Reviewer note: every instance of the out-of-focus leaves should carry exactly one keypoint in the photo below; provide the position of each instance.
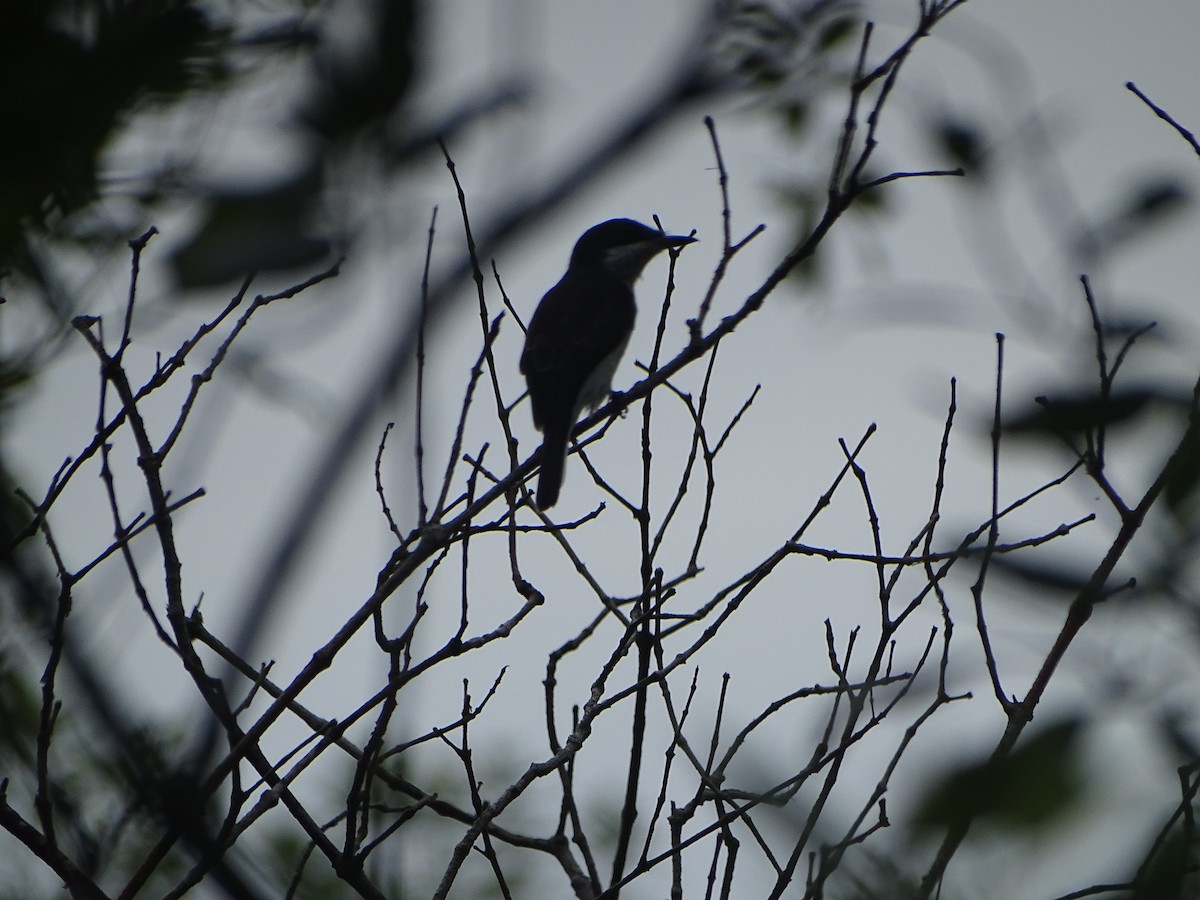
(397, 150)
(794, 116)
(963, 144)
(836, 32)
(260, 229)
(785, 54)
(1147, 205)
(1037, 783)
(1074, 414)
(364, 87)
(803, 205)
(20, 709)
(873, 201)
(12, 376)
(875, 875)
(64, 90)
(290, 859)
(1164, 876)
(1183, 475)
(1154, 199)
(1141, 326)
(1044, 577)
(1078, 414)
(1174, 734)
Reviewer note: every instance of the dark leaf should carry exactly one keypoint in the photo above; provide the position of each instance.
(835, 33)
(257, 230)
(1154, 199)
(963, 144)
(66, 92)
(362, 87)
(1146, 206)
(1047, 577)
(1037, 783)
(1183, 474)
(795, 116)
(1166, 869)
(1079, 413)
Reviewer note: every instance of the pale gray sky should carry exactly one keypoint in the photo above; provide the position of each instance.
(913, 298)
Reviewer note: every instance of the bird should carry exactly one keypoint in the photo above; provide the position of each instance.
(579, 332)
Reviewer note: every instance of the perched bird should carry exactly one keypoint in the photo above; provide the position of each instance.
(579, 332)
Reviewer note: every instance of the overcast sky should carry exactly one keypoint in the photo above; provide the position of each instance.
(908, 300)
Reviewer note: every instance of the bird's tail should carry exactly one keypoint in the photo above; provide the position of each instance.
(554, 459)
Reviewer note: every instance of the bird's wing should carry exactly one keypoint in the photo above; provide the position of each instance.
(577, 325)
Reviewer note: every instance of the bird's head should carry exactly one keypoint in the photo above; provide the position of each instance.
(622, 247)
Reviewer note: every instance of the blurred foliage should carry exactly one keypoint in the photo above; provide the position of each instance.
(71, 75)
(875, 876)
(260, 227)
(1164, 874)
(76, 78)
(76, 75)
(790, 60)
(1050, 580)
(1151, 201)
(1031, 788)
(362, 88)
(784, 54)
(1080, 418)
(1080, 414)
(962, 144)
(1182, 478)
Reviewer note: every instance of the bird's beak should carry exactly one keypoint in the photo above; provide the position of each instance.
(671, 241)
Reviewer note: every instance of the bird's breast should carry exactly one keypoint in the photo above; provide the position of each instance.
(598, 385)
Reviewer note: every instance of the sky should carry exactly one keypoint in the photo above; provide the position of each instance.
(907, 300)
